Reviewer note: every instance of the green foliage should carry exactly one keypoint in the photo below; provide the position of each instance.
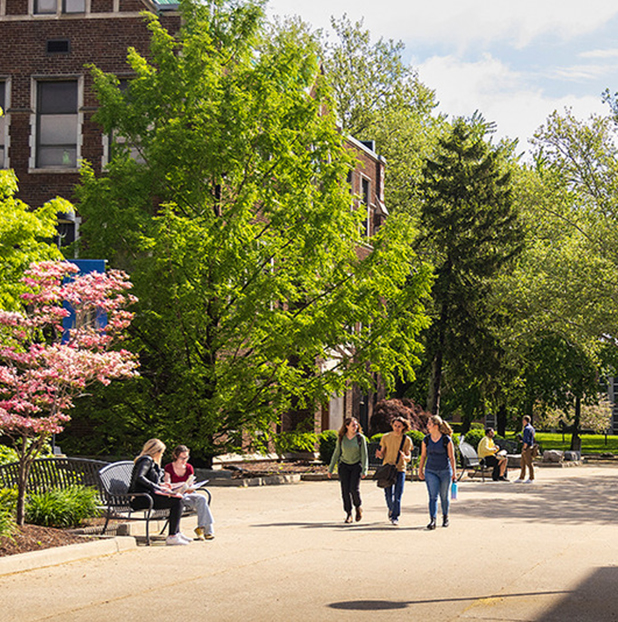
(378, 96)
(238, 234)
(7, 455)
(473, 437)
(417, 437)
(477, 425)
(289, 442)
(376, 438)
(24, 238)
(62, 508)
(472, 230)
(8, 504)
(328, 442)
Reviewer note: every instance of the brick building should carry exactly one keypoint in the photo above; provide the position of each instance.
(46, 94)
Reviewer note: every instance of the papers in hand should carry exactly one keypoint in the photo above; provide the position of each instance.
(182, 487)
(502, 452)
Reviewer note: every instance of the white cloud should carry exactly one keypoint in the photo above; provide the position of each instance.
(611, 53)
(459, 22)
(499, 93)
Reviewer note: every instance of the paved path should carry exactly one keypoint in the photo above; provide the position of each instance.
(545, 552)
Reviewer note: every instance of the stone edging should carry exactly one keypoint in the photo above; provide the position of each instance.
(23, 562)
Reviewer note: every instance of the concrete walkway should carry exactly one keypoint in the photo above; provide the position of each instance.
(544, 552)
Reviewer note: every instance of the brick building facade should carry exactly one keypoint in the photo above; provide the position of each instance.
(46, 94)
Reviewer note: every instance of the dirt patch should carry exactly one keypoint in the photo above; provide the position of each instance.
(35, 538)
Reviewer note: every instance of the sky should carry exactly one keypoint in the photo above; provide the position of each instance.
(515, 62)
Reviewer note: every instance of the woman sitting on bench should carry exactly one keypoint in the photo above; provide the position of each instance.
(181, 471)
(147, 477)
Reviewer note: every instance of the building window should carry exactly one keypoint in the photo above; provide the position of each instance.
(2, 123)
(365, 194)
(57, 125)
(52, 7)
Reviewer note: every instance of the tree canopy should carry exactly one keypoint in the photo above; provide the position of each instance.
(236, 225)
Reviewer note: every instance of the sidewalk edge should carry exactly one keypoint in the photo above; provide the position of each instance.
(12, 564)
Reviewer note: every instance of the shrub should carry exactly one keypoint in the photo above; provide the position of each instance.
(288, 442)
(8, 501)
(7, 455)
(417, 437)
(473, 437)
(328, 442)
(63, 508)
(477, 425)
(386, 410)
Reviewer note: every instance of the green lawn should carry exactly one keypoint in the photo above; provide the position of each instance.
(591, 443)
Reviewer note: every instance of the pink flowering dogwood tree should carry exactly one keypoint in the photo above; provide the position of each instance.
(44, 366)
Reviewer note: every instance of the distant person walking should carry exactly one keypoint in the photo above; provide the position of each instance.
(395, 448)
(437, 467)
(351, 461)
(527, 452)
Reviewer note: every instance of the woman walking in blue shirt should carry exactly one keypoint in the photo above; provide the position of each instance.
(437, 467)
(350, 459)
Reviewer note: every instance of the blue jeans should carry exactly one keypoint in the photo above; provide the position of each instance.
(438, 483)
(393, 495)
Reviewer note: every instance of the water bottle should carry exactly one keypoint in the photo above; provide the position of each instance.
(454, 490)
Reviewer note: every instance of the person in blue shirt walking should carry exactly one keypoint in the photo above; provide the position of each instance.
(352, 462)
(526, 452)
(437, 467)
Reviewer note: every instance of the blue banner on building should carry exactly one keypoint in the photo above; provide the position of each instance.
(100, 318)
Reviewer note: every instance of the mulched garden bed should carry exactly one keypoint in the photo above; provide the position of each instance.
(35, 538)
(275, 467)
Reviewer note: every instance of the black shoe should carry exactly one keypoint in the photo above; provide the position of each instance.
(445, 521)
(348, 518)
(359, 513)
(432, 524)
(504, 478)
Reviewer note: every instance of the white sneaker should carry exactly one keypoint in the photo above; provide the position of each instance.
(395, 522)
(176, 540)
(517, 481)
(529, 481)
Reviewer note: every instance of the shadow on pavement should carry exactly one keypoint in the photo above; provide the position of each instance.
(354, 526)
(577, 500)
(595, 599)
(377, 605)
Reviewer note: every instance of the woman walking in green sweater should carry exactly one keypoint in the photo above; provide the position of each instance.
(350, 458)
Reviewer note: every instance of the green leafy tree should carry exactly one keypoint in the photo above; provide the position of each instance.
(25, 236)
(380, 97)
(236, 227)
(472, 231)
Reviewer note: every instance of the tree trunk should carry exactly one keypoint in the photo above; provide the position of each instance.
(576, 441)
(501, 420)
(25, 462)
(435, 381)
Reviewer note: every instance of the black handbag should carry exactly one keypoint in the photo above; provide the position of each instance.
(386, 474)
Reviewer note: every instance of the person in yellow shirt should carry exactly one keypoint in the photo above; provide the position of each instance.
(488, 451)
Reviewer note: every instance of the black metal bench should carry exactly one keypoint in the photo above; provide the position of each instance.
(55, 473)
(115, 479)
(470, 461)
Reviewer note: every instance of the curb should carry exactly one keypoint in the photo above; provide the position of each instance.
(23, 562)
(268, 480)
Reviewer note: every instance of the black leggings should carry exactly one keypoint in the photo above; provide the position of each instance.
(162, 502)
(350, 476)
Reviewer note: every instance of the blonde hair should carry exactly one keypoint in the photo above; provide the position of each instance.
(443, 426)
(153, 447)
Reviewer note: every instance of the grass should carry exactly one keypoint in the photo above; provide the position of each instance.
(591, 443)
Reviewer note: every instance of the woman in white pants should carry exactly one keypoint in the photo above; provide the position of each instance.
(180, 471)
